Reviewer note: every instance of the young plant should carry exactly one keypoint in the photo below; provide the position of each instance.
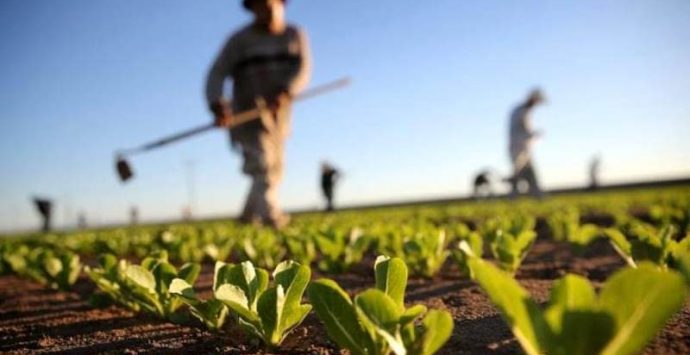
(475, 242)
(376, 321)
(341, 248)
(142, 287)
(510, 239)
(426, 251)
(302, 248)
(60, 269)
(212, 313)
(632, 306)
(263, 247)
(509, 250)
(565, 226)
(645, 243)
(268, 313)
(57, 269)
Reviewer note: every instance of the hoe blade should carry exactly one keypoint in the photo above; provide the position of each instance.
(124, 172)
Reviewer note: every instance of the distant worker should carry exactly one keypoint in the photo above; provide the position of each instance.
(329, 176)
(133, 215)
(594, 167)
(45, 208)
(81, 221)
(481, 185)
(521, 138)
(267, 60)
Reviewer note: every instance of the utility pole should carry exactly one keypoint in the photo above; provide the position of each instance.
(190, 167)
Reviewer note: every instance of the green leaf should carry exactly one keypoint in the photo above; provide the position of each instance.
(293, 278)
(235, 298)
(514, 303)
(583, 332)
(620, 244)
(380, 316)
(270, 308)
(141, 277)
(52, 265)
(335, 310)
(391, 278)
(164, 273)
(182, 288)
(640, 301)
(189, 272)
(378, 308)
(412, 313)
(107, 261)
(437, 328)
(572, 292)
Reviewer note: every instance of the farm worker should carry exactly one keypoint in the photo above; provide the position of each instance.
(594, 167)
(268, 61)
(45, 209)
(521, 138)
(329, 175)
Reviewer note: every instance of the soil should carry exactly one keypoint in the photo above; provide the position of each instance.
(34, 319)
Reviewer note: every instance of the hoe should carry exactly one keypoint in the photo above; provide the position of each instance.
(124, 170)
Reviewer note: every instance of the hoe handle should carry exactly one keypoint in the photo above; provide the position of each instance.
(239, 118)
(249, 115)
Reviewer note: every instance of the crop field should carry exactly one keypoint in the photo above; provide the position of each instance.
(581, 273)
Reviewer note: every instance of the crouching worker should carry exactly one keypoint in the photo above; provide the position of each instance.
(268, 61)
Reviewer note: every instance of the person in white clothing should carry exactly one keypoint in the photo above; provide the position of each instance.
(521, 138)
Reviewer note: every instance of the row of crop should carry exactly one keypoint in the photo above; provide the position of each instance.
(269, 306)
(335, 248)
(632, 306)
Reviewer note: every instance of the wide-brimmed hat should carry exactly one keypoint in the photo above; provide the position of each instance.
(247, 4)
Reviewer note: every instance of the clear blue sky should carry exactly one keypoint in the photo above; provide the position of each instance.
(433, 84)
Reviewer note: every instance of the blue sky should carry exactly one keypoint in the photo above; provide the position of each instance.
(433, 85)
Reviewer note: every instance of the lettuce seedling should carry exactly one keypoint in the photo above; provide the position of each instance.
(302, 248)
(263, 247)
(426, 251)
(143, 287)
(268, 313)
(509, 239)
(645, 243)
(509, 250)
(212, 313)
(341, 248)
(565, 226)
(376, 321)
(632, 306)
(476, 243)
(58, 269)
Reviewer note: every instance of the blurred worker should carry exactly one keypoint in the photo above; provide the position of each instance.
(81, 221)
(594, 167)
(269, 60)
(329, 176)
(521, 138)
(45, 208)
(133, 215)
(482, 184)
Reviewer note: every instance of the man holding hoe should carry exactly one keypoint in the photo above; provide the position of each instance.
(269, 64)
(520, 148)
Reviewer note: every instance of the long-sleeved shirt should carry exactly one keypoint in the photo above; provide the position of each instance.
(260, 64)
(521, 133)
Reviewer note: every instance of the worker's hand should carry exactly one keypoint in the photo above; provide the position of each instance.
(222, 114)
(283, 99)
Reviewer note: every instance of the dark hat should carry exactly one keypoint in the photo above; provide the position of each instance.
(246, 4)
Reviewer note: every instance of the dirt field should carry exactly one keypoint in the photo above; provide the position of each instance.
(34, 319)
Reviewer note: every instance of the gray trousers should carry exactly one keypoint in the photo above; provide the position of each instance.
(526, 173)
(262, 149)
